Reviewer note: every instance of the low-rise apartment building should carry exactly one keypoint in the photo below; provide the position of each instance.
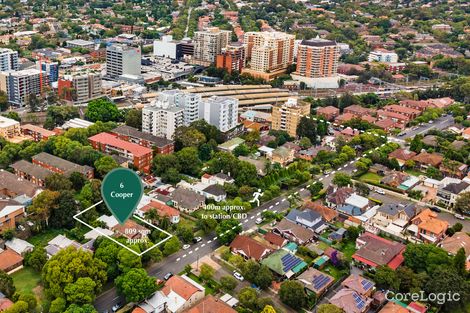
(38, 133)
(61, 166)
(141, 157)
(161, 145)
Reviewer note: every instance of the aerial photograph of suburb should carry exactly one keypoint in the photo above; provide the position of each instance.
(234, 156)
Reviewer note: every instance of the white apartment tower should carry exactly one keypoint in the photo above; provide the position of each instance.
(161, 118)
(221, 112)
(209, 43)
(8, 60)
(122, 60)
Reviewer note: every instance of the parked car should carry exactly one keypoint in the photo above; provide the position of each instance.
(436, 209)
(379, 191)
(197, 239)
(258, 221)
(168, 276)
(186, 246)
(459, 216)
(238, 276)
(116, 307)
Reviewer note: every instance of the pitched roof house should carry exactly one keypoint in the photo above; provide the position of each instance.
(249, 248)
(327, 214)
(187, 200)
(430, 227)
(401, 155)
(453, 244)
(361, 285)
(374, 251)
(275, 239)
(315, 281)
(293, 231)
(424, 160)
(210, 304)
(307, 218)
(182, 292)
(351, 301)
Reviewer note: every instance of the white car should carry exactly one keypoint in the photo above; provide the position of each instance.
(238, 276)
(459, 216)
(380, 191)
(258, 221)
(186, 246)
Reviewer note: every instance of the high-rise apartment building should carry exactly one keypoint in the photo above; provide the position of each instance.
(209, 43)
(8, 60)
(232, 58)
(175, 108)
(50, 68)
(20, 85)
(268, 53)
(221, 112)
(287, 116)
(80, 87)
(122, 60)
(161, 118)
(317, 62)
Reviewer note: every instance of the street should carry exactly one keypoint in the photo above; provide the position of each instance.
(439, 124)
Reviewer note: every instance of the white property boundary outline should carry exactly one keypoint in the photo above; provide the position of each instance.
(114, 240)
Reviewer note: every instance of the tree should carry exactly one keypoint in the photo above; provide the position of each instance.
(62, 213)
(189, 162)
(462, 204)
(434, 173)
(207, 272)
(425, 258)
(81, 292)
(6, 284)
(87, 308)
(315, 188)
(3, 101)
(460, 262)
(18, 307)
(102, 110)
(36, 258)
(248, 298)
(186, 136)
(136, 285)
(362, 189)
(250, 270)
(342, 180)
(134, 118)
(447, 280)
(107, 251)
(128, 260)
(292, 293)
(105, 164)
(33, 102)
(58, 305)
(228, 283)
(264, 277)
(78, 180)
(67, 266)
(171, 246)
(305, 143)
(386, 278)
(329, 308)
(42, 206)
(307, 128)
(268, 309)
(225, 232)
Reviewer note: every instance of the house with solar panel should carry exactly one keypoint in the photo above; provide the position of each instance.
(315, 281)
(360, 284)
(284, 263)
(351, 301)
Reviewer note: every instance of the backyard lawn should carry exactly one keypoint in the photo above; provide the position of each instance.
(44, 237)
(414, 172)
(370, 177)
(347, 248)
(27, 280)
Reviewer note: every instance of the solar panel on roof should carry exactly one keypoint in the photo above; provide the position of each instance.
(289, 261)
(366, 284)
(359, 302)
(320, 281)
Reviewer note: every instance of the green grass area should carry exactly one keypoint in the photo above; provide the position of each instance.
(347, 248)
(27, 280)
(322, 245)
(370, 177)
(210, 290)
(414, 172)
(44, 237)
(333, 271)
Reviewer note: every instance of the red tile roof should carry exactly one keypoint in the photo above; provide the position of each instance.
(275, 239)
(9, 258)
(210, 304)
(379, 251)
(5, 303)
(249, 246)
(162, 209)
(108, 139)
(180, 286)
